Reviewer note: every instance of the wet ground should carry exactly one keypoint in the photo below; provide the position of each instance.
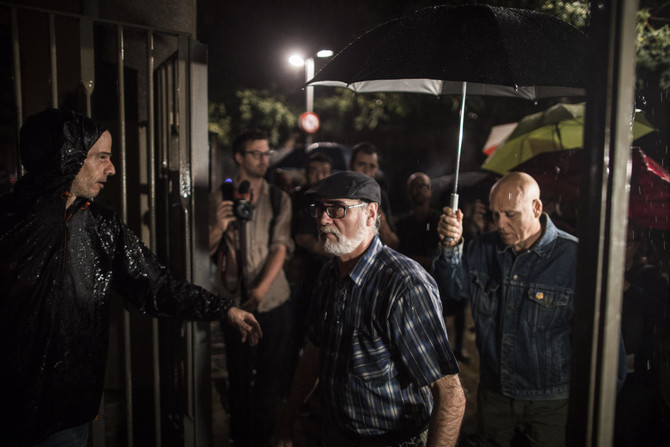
(469, 377)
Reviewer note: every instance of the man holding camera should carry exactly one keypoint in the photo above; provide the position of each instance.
(250, 235)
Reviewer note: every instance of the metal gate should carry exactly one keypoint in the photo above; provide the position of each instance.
(148, 86)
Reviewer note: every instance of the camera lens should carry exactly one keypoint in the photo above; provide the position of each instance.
(243, 210)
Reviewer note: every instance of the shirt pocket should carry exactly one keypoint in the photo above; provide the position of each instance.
(370, 357)
(550, 306)
(484, 297)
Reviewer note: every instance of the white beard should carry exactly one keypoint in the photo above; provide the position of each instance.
(342, 245)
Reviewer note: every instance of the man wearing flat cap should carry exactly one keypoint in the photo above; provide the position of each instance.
(376, 340)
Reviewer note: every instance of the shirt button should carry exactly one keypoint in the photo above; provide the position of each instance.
(515, 277)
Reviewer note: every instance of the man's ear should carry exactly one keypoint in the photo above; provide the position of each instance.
(372, 210)
(537, 207)
(238, 158)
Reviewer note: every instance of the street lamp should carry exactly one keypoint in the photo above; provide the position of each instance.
(298, 61)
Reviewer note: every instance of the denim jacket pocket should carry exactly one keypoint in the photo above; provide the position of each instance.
(552, 306)
(484, 297)
(371, 359)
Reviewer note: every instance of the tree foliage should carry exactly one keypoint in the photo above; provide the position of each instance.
(220, 123)
(252, 109)
(653, 51)
(652, 43)
(576, 13)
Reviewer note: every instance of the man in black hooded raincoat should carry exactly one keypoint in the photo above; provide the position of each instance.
(61, 255)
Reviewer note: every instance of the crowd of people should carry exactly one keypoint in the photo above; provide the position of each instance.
(331, 307)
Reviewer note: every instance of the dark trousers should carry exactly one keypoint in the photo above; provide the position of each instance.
(254, 378)
(502, 419)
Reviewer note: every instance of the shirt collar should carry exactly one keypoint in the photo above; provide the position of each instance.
(364, 265)
(543, 245)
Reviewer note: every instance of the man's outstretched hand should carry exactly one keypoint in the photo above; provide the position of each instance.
(247, 325)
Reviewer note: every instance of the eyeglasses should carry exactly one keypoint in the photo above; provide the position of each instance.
(258, 154)
(333, 211)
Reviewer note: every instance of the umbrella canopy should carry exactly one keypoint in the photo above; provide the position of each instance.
(476, 49)
(497, 51)
(497, 136)
(559, 177)
(557, 128)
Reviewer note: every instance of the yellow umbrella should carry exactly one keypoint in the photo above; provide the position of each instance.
(560, 127)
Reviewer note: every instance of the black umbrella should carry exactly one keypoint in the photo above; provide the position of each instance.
(476, 49)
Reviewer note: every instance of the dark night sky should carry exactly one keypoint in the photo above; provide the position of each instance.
(249, 41)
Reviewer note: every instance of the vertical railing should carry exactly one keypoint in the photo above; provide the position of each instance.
(151, 148)
(185, 196)
(53, 61)
(199, 168)
(18, 97)
(173, 108)
(87, 60)
(127, 335)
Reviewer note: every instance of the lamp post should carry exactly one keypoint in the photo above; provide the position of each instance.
(298, 61)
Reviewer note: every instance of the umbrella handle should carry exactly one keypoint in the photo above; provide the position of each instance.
(453, 201)
(453, 204)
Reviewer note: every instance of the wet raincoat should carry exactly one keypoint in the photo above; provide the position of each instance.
(57, 271)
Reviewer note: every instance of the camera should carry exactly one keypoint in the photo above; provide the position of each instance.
(242, 207)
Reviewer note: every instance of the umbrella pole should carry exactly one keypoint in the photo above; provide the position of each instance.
(453, 199)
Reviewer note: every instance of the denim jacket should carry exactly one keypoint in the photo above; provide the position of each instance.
(522, 305)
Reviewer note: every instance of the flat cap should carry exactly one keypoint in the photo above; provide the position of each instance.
(346, 185)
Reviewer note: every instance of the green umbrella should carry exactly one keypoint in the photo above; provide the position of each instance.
(558, 128)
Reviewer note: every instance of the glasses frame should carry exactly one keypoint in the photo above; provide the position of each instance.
(316, 210)
(257, 155)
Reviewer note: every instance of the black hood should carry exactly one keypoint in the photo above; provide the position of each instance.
(54, 145)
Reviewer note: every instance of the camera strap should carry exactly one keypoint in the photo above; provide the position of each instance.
(238, 230)
(241, 255)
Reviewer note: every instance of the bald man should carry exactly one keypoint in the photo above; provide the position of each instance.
(521, 279)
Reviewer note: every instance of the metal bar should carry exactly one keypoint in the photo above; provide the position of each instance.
(164, 147)
(182, 120)
(122, 120)
(53, 59)
(16, 62)
(197, 91)
(87, 61)
(183, 116)
(126, 25)
(309, 94)
(121, 96)
(602, 228)
(151, 149)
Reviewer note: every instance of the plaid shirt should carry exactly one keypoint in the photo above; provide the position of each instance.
(383, 341)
